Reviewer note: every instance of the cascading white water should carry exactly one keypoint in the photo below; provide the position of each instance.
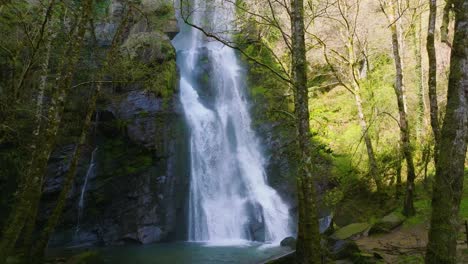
(89, 173)
(229, 194)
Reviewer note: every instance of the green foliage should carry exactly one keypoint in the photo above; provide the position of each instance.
(333, 197)
(410, 259)
(148, 60)
(115, 163)
(350, 230)
(101, 8)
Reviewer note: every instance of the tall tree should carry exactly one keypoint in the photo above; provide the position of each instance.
(448, 186)
(308, 237)
(391, 13)
(432, 76)
(37, 253)
(29, 194)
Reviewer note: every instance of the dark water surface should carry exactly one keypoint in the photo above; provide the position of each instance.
(183, 253)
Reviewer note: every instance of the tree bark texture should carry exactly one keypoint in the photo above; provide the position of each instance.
(448, 186)
(308, 249)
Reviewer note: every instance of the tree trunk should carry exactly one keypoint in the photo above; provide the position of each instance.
(41, 245)
(432, 76)
(444, 28)
(416, 39)
(448, 187)
(308, 249)
(398, 186)
(354, 74)
(31, 220)
(27, 199)
(408, 207)
(373, 167)
(38, 251)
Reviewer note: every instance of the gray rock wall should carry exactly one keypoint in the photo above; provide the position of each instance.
(138, 193)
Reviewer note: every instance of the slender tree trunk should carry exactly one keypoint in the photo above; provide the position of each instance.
(48, 13)
(416, 39)
(432, 76)
(354, 73)
(41, 245)
(31, 220)
(448, 187)
(444, 28)
(399, 184)
(373, 167)
(308, 249)
(408, 207)
(38, 251)
(27, 200)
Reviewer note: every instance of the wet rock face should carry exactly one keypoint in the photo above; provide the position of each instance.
(138, 109)
(138, 193)
(139, 189)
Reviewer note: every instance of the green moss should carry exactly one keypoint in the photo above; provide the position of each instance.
(101, 7)
(423, 212)
(412, 259)
(143, 114)
(121, 158)
(350, 230)
(148, 59)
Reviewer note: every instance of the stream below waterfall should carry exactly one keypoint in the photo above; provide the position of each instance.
(183, 253)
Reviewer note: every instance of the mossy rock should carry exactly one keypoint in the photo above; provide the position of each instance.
(387, 223)
(289, 242)
(351, 231)
(159, 7)
(149, 47)
(342, 249)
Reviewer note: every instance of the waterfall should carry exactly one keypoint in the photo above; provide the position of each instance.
(230, 200)
(89, 173)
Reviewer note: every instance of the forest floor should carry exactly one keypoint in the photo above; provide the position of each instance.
(406, 243)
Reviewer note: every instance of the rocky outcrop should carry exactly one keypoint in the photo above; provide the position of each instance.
(138, 192)
(387, 223)
(289, 242)
(352, 231)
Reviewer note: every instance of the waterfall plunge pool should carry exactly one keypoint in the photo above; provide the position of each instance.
(180, 253)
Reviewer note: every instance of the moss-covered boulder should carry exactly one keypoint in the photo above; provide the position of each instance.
(351, 231)
(289, 242)
(342, 249)
(149, 47)
(387, 223)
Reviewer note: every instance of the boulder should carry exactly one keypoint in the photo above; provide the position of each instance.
(104, 32)
(351, 231)
(289, 242)
(138, 110)
(149, 234)
(149, 47)
(387, 223)
(342, 249)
